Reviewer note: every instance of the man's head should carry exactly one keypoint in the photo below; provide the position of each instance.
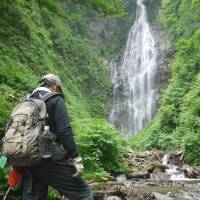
(52, 82)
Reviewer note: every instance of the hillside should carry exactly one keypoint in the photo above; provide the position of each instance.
(176, 125)
(38, 37)
(36, 41)
(41, 37)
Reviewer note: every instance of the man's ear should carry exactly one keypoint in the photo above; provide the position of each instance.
(57, 88)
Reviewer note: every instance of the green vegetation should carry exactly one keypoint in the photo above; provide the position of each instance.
(153, 7)
(47, 44)
(176, 124)
(108, 35)
(101, 146)
(104, 7)
(38, 37)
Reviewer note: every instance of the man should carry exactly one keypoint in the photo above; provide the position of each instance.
(63, 171)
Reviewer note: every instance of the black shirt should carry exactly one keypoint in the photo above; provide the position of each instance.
(59, 123)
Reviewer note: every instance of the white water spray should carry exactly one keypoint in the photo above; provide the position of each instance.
(135, 88)
(173, 172)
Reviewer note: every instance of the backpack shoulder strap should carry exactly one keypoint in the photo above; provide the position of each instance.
(49, 95)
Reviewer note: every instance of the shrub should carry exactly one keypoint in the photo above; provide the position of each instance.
(101, 147)
(191, 146)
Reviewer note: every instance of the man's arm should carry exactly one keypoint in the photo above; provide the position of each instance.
(63, 128)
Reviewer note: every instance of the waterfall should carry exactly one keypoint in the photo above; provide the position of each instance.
(135, 77)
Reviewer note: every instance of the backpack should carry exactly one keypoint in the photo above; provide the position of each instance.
(24, 141)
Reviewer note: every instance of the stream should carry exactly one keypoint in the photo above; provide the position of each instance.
(153, 176)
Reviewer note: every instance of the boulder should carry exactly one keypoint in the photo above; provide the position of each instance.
(176, 158)
(154, 167)
(138, 175)
(111, 178)
(159, 167)
(190, 172)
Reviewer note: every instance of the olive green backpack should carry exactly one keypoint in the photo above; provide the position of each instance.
(22, 141)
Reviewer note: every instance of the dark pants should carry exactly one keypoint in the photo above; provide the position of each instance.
(57, 174)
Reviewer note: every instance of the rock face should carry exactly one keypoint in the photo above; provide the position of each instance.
(165, 53)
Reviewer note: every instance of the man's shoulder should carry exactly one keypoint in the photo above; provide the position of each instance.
(46, 96)
(55, 97)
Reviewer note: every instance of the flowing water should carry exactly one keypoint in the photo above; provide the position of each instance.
(173, 172)
(135, 78)
(155, 176)
(169, 185)
(181, 187)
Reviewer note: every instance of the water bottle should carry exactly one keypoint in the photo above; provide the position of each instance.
(3, 161)
(46, 143)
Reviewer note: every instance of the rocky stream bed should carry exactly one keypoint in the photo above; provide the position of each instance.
(152, 175)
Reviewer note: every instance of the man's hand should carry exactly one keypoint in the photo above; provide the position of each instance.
(78, 166)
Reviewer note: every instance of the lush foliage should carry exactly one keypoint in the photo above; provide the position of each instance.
(101, 146)
(42, 36)
(104, 7)
(35, 41)
(177, 123)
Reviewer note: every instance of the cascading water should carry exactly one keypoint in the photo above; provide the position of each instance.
(172, 171)
(135, 88)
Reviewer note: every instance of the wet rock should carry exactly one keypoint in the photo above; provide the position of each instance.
(176, 158)
(110, 191)
(160, 167)
(149, 179)
(141, 197)
(138, 175)
(156, 167)
(121, 178)
(142, 164)
(190, 172)
(150, 168)
(197, 168)
(112, 198)
(111, 178)
(129, 153)
(159, 176)
(163, 196)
